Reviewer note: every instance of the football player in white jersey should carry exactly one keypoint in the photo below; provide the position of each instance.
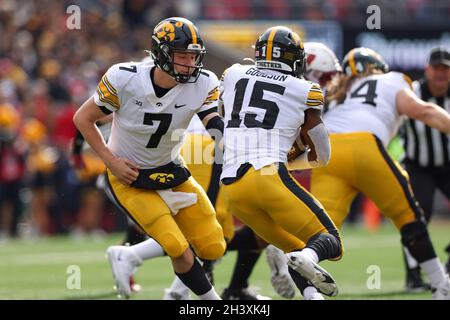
(366, 110)
(198, 153)
(152, 104)
(266, 107)
(321, 67)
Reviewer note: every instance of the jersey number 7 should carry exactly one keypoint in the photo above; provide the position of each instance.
(164, 124)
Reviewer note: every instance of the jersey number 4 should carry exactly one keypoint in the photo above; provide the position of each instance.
(370, 95)
(256, 101)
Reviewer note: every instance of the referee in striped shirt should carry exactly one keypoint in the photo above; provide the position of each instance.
(427, 158)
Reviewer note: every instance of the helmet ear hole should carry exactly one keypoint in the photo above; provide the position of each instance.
(299, 68)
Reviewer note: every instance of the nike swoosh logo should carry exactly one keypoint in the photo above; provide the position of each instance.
(179, 106)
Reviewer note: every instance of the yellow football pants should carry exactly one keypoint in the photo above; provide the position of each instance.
(277, 207)
(360, 163)
(195, 225)
(198, 152)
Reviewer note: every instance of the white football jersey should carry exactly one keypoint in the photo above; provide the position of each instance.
(370, 106)
(263, 112)
(196, 127)
(147, 129)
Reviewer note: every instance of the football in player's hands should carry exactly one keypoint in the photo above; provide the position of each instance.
(298, 148)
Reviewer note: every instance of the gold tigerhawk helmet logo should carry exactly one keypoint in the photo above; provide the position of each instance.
(166, 31)
(162, 177)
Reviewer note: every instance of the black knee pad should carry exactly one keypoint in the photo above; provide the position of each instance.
(327, 246)
(414, 231)
(416, 238)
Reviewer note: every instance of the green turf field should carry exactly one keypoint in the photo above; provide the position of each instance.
(38, 269)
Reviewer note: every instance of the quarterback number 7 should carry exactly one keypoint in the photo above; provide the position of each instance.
(164, 123)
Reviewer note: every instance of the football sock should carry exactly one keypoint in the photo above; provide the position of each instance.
(434, 270)
(311, 254)
(195, 279)
(148, 249)
(245, 262)
(210, 295)
(178, 286)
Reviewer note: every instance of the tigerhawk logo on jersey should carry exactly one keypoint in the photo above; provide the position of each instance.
(162, 177)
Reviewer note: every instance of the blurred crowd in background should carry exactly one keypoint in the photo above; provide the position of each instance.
(47, 71)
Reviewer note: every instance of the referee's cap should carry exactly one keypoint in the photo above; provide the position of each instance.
(439, 56)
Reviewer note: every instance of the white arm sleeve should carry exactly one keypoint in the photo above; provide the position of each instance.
(321, 141)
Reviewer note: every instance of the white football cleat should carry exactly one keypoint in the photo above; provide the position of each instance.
(311, 271)
(280, 279)
(310, 293)
(177, 295)
(315, 296)
(442, 292)
(124, 263)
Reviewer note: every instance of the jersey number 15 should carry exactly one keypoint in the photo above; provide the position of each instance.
(256, 101)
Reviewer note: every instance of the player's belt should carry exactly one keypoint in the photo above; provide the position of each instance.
(164, 177)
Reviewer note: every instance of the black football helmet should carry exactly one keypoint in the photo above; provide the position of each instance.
(358, 60)
(281, 49)
(177, 35)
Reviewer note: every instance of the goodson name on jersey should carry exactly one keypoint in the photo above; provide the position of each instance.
(257, 73)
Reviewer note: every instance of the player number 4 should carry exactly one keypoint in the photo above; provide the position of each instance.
(370, 95)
